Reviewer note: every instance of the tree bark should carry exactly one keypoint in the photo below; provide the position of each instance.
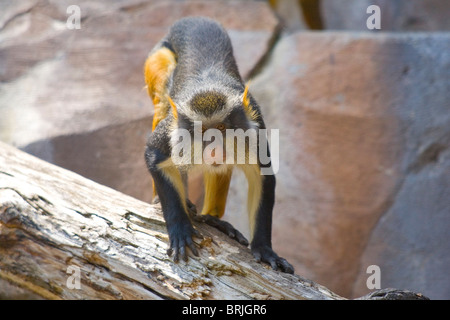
(63, 236)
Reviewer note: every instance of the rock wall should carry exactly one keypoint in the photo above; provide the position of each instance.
(364, 120)
(364, 131)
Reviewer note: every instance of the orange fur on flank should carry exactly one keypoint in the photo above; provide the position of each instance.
(158, 68)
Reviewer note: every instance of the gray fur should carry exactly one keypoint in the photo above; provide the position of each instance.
(205, 61)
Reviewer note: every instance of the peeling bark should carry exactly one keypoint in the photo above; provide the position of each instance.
(53, 221)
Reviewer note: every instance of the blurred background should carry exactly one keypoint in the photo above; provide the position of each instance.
(363, 114)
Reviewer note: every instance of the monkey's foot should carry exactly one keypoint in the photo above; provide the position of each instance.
(266, 254)
(223, 226)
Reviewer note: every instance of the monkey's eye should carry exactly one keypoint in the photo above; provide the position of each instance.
(220, 126)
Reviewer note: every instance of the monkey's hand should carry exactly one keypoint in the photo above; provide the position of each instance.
(266, 254)
(180, 237)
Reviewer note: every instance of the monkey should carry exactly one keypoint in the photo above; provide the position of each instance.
(194, 83)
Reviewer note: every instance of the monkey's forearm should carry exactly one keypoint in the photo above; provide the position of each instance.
(263, 220)
(261, 244)
(169, 186)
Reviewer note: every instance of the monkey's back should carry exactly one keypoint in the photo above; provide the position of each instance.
(204, 53)
(196, 56)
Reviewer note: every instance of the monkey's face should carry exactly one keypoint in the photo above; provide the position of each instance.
(215, 138)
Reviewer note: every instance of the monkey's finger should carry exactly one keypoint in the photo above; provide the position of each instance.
(273, 263)
(236, 235)
(176, 255)
(183, 251)
(197, 234)
(257, 256)
(191, 246)
(285, 266)
(231, 233)
(199, 218)
(240, 238)
(175, 249)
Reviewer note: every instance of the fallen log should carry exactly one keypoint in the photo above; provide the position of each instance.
(63, 236)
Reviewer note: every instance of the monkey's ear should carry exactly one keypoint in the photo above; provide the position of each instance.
(245, 99)
(174, 107)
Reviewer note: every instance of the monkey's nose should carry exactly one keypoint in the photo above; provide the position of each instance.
(215, 158)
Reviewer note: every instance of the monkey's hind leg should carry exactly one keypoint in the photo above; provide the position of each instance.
(216, 192)
(191, 208)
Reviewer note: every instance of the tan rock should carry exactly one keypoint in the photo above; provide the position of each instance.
(343, 103)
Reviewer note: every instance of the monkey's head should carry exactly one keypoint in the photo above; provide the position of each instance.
(205, 120)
